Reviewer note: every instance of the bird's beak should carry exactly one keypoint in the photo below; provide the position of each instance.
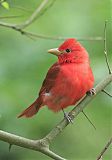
(54, 51)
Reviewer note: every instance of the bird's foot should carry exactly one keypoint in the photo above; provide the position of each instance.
(91, 92)
(67, 117)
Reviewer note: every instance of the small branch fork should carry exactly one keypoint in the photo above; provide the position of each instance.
(40, 10)
(35, 15)
(42, 145)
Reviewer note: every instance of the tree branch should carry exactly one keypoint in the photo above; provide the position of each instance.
(33, 17)
(36, 145)
(34, 35)
(30, 20)
(20, 27)
(42, 145)
(77, 109)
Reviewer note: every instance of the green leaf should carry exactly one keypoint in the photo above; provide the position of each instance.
(5, 5)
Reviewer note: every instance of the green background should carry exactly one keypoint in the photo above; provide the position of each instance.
(24, 63)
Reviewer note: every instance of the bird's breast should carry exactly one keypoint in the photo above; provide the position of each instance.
(72, 82)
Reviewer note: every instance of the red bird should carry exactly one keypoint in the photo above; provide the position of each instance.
(67, 81)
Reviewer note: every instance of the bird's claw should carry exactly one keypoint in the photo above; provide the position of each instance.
(68, 118)
(91, 92)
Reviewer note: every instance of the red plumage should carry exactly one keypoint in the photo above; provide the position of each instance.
(67, 81)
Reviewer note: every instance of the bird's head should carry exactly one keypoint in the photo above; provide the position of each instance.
(70, 51)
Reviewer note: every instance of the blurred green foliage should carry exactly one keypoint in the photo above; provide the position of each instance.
(4, 4)
(23, 66)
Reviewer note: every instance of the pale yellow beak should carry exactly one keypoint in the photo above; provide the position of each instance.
(54, 51)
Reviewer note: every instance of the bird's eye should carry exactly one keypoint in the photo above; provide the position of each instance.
(68, 50)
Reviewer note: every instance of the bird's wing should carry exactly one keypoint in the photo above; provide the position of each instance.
(50, 79)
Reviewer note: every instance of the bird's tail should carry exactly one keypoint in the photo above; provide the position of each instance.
(32, 109)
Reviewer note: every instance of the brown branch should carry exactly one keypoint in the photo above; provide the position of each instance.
(42, 145)
(104, 149)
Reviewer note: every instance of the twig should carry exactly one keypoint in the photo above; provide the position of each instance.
(104, 149)
(89, 120)
(34, 35)
(33, 17)
(21, 8)
(10, 146)
(36, 15)
(44, 10)
(107, 93)
(105, 48)
(42, 145)
(7, 25)
(7, 17)
(61, 38)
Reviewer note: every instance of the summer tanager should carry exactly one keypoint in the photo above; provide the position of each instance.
(67, 81)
